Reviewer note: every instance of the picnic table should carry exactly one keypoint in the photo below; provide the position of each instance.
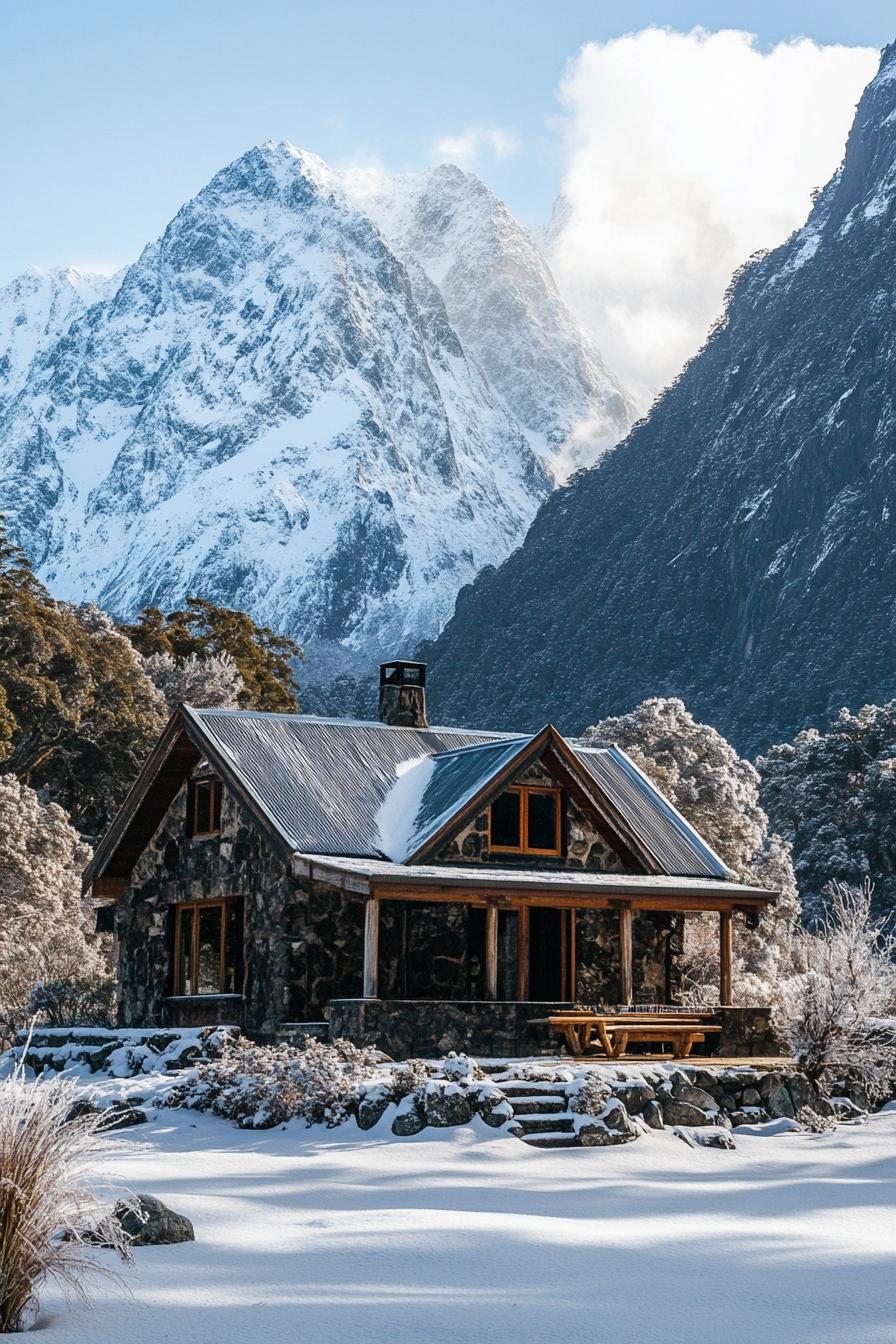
(612, 1033)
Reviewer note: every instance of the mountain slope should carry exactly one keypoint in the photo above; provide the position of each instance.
(739, 548)
(271, 409)
(36, 309)
(507, 311)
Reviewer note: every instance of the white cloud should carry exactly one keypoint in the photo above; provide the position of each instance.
(476, 143)
(686, 153)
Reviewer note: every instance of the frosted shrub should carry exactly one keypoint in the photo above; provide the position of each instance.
(406, 1078)
(845, 980)
(49, 1213)
(588, 1094)
(84, 1002)
(210, 682)
(259, 1086)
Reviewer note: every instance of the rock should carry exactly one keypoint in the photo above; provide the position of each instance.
(756, 1115)
(634, 1094)
(149, 1222)
(498, 1115)
(446, 1105)
(713, 1136)
(652, 1115)
(683, 1113)
(612, 1126)
(818, 1124)
(680, 1088)
(371, 1111)
(801, 1091)
(408, 1122)
(846, 1109)
(122, 1116)
(751, 1097)
(778, 1101)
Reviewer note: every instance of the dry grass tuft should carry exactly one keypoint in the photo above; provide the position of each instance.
(51, 1214)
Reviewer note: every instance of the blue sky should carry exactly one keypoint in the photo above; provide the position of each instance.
(115, 113)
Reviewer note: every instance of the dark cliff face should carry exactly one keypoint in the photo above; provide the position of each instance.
(739, 547)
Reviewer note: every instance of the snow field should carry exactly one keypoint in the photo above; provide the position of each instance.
(331, 1236)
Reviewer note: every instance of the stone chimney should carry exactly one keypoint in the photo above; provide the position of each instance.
(403, 695)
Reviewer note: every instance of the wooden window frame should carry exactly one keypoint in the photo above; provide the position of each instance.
(214, 783)
(178, 968)
(524, 790)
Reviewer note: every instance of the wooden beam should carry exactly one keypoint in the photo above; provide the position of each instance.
(573, 965)
(522, 978)
(563, 899)
(371, 949)
(726, 948)
(491, 951)
(625, 955)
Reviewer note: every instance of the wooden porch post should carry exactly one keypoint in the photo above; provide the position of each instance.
(371, 948)
(491, 951)
(725, 955)
(625, 954)
(522, 978)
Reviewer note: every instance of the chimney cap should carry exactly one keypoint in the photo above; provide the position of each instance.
(401, 672)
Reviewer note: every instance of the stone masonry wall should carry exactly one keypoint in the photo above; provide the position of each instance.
(585, 846)
(238, 862)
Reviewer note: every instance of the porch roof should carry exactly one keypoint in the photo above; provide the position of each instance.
(478, 885)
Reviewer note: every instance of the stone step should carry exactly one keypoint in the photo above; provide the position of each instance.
(537, 1105)
(551, 1139)
(535, 1124)
(522, 1087)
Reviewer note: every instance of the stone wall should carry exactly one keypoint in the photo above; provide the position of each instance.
(406, 1028)
(657, 941)
(583, 843)
(238, 862)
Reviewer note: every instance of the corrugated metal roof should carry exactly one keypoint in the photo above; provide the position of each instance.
(673, 841)
(322, 782)
(456, 777)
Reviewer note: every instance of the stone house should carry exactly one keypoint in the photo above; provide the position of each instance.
(418, 887)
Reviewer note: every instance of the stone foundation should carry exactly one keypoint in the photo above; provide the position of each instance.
(747, 1033)
(404, 1028)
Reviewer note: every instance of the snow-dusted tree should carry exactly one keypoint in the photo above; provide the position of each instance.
(45, 929)
(833, 795)
(718, 792)
(830, 1008)
(210, 682)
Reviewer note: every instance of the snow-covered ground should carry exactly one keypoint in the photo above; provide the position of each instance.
(323, 1237)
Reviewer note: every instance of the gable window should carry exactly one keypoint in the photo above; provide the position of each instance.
(526, 821)
(208, 947)
(204, 806)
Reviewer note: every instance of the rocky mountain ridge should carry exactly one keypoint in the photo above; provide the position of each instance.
(277, 407)
(739, 547)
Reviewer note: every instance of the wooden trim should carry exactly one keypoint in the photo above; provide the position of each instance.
(513, 897)
(523, 947)
(371, 948)
(573, 967)
(524, 790)
(177, 977)
(196, 785)
(726, 950)
(625, 954)
(491, 951)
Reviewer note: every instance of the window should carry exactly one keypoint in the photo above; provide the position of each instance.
(526, 821)
(208, 947)
(204, 806)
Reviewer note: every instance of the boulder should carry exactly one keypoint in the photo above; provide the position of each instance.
(634, 1094)
(755, 1115)
(751, 1096)
(612, 1126)
(778, 1101)
(802, 1093)
(680, 1088)
(846, 1109)
(149, 1222)
(407, 1122)
(447, 1105)
(713, 1136)
(371, 1110)
(683, 1113)
(652, 1115)
(122, 1116)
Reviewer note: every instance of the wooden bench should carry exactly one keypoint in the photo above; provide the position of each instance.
(587, 1033)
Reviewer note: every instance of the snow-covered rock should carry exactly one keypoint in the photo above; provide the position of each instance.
(287, 407)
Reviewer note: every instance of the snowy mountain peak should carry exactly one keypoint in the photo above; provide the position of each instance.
(326, 407)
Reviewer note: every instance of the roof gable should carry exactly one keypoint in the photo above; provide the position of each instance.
(323, 786)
